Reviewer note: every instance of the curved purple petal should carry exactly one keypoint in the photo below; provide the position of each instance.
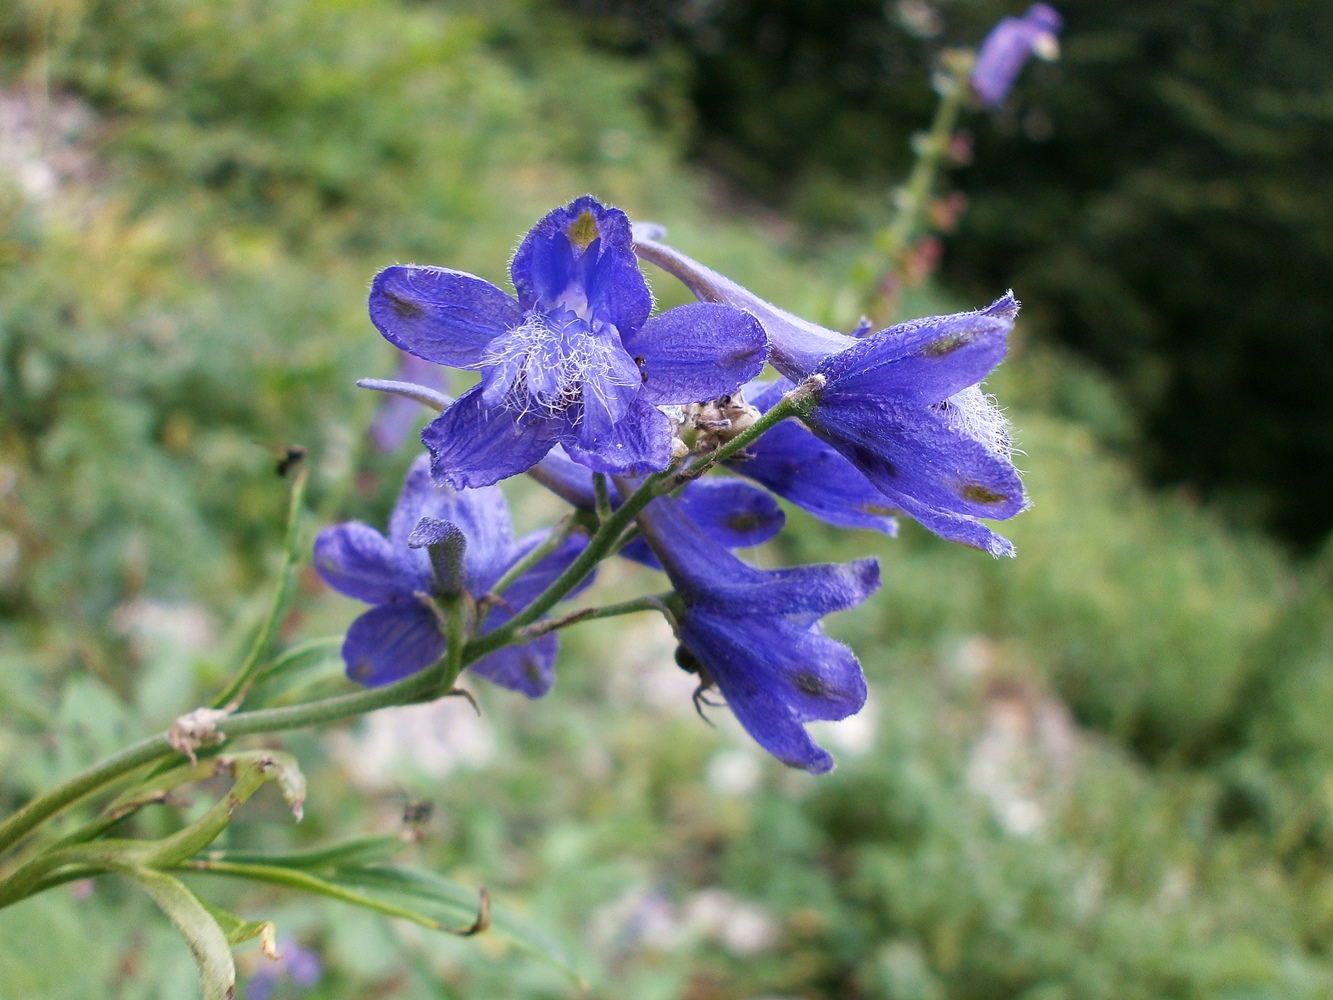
(438, 314)
(356, 560)
(799, 467)
(473, 445)
(775, 678)
(697, 352)
(707, 575)
(796, 346)
(730, 512)
(528, 669)
(640, 443)
(527, 587)
(580, 258)
(923, 361)
(391, 641)
(917, 453)
(565, 478)
(957, 527)
(798, 591)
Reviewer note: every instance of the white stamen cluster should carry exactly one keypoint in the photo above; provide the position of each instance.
(548, 366)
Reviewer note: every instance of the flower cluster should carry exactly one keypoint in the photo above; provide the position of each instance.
(621, 413)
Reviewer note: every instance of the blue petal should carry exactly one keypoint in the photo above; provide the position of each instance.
(776, 677)
(796, 346)
(731, 513)
(390, 642)
(610, 385)
(640, 443)
(473, 445)
(356, 560)
(580, 258)
(796, 465)
(697, 352)
(923, 361)
(707, 575)
(916, 452)
(528, 669)
(1004, 51)
(444, 316)
(565, 478)
(957, 527)
(527, 587)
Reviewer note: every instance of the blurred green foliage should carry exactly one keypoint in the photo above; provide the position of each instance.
(1161, 191)
(1100, 770)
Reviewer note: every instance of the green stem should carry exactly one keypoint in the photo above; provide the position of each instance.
(234, 692)
(603, 496)
(418, 686)
(567, 526)
(650, 603)
(267, 720)
(931, 149)
(81, 785)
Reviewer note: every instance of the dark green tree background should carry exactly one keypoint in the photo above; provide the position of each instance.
(1163, 195)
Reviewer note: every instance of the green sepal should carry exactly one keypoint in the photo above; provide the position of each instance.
(207, 941)
(238, 931)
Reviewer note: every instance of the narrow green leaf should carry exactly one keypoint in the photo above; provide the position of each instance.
(362, 851)
(455, 897)
(206, 939)
(292, 878)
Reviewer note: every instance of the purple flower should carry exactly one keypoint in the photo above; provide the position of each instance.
(301, 965)
(402, 633)
(903, 405)
(1007, 49)
(574, 359)
(755, 634)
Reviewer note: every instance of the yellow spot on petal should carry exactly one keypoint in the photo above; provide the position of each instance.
(583, 230)
(946, 345)
(979, 494)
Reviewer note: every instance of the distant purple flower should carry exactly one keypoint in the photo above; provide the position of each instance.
(402, 634)
(1007, 49)
(301, 965)
(398, 415)
(903, 405)
(574, 359)
(755, 634)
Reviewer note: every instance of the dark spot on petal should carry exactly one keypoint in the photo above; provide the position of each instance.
(812, 684)
(643, 371)
(945, 345)
(359, 670)
(867, 460)
(744, 521)
(980, 494)
(583, 230)
(533, 672)
(405, 308)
